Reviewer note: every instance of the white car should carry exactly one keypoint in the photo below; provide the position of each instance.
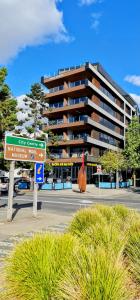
(4, 184)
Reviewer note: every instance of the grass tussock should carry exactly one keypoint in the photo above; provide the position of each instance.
(98, 259)
(95, 276)
(37, 265)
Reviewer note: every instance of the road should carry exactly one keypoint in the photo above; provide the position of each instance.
(69, 203)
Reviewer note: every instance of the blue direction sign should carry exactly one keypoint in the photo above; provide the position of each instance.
(39, 173)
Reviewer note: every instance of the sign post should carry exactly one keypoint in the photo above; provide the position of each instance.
(39, 173)
(23, 149)
(10, 193)
(38, 178)
(99, 170)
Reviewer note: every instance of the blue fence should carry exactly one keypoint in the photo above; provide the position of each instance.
(56, 186)
(112, 185)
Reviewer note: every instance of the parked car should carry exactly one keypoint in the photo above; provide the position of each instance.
(21, 184)
(4, 184)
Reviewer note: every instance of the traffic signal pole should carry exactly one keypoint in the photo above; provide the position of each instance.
(11, 191)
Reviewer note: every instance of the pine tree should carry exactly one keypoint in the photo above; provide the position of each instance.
(32, 124)
(8, 118)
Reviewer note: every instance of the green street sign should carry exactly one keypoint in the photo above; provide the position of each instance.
(22, 149)
(23, 142)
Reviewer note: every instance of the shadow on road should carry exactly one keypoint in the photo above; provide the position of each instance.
(17, 207)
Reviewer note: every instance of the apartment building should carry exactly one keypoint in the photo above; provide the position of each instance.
(88, 112)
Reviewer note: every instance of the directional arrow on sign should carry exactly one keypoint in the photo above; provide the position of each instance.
(40, 178)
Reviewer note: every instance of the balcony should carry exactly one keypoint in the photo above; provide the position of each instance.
(78, 119)
(55, 122)
(70, 139)
(56, 89)
(78, 136)
(77, 83)
(76, 101)
(55, 105)
(74, 89)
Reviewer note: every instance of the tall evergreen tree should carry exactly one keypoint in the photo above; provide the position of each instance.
(8, 118)
(132, 146)
(32, 124)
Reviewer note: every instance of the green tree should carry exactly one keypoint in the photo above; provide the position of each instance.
(132, 146)
(34, 119)
(8, 118)
(113, 161)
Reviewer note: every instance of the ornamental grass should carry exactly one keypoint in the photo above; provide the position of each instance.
(95, 275)
(37, 265)
(98, 259)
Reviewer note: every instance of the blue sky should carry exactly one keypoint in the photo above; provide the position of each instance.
(44, 35)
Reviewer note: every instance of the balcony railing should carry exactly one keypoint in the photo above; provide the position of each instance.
(77, 100)
(56, 89)
(77, 83)
(107, 93)
(78, 118)
(55, 122)
(78, 136)
(58, 155)
(56, 105)
(58, 138)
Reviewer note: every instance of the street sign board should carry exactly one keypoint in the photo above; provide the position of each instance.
(23, 149)
(39, 173)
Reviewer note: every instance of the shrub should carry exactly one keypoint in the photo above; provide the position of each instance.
(37, 265)
(132, 250)
(97, 275)
(83, 219)
(109, 237)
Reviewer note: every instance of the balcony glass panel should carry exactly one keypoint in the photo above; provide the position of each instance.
(58, 138)
(78, 136)
(77, 83)
(107, 139)
(56, 89)
(77, 152)
(56, 105)
(107, 108)
(107, 123)
(55, 122)
(77, 118)
(107, 93)
(77, 100)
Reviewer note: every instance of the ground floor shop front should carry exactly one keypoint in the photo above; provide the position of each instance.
(69, 171)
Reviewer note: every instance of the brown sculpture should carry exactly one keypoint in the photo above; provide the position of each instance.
(82, 178)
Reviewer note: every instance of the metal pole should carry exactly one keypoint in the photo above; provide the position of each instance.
(35, 187)
(10, 194)
(35, 195)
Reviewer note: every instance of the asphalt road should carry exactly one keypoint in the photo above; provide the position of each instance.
(59, 203)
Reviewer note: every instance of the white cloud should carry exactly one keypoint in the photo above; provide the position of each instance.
(134, 79)
(96, 20)
(28, 23)
(89, 2)
(136, 98)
